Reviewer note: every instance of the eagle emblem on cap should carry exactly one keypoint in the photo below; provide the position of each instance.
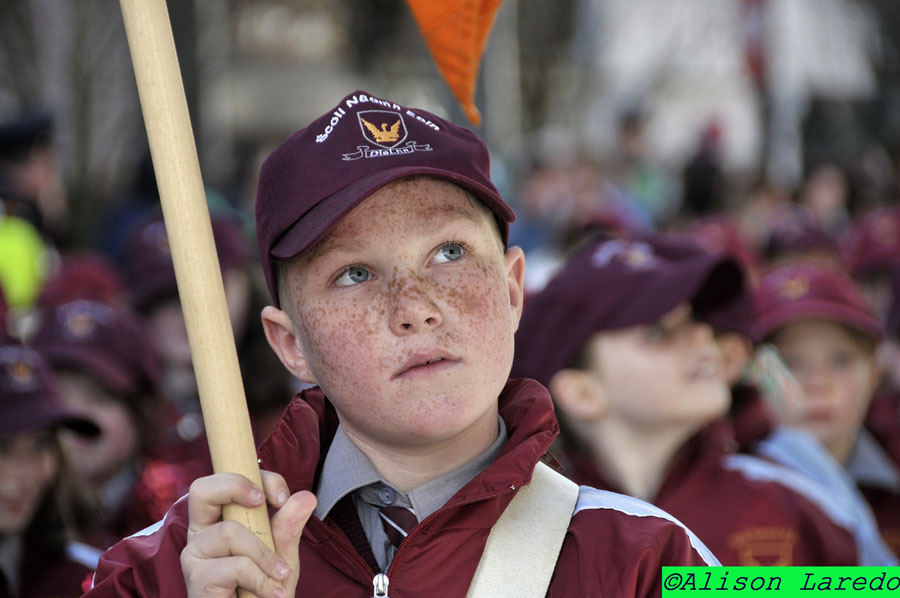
(794, 288)
(382, 127)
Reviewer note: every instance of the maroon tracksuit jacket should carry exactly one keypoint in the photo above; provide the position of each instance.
(883, 421)
(615, 546)
(743, 508)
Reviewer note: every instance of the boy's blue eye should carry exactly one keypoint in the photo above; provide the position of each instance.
(449, 253)
(352, 275)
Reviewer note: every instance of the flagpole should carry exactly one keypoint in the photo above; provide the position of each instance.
(188, 227)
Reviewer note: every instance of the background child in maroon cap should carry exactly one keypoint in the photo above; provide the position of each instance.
(827, 334)
(37, 493)
(640, 386)
(154, 293)
(383, 240)
(107, 372)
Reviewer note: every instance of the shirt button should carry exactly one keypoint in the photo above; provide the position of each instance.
(387, 495)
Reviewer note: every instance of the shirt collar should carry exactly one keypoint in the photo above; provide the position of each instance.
(346, 469)
(869, 464)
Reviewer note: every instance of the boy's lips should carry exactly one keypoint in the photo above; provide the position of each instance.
(425, 362)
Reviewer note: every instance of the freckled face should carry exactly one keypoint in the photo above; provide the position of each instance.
(405, 317)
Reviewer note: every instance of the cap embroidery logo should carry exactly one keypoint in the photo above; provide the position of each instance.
(18, 373)
(387, 130)
(80, 319)
(637, 256)
(382, 127)
(794, 288)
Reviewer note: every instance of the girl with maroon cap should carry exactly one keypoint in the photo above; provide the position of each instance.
(37, 502)
(828, 335)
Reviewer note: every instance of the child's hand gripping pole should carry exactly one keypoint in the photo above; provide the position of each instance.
(193, 250)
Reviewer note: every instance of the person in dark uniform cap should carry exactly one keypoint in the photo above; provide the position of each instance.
(38, 556)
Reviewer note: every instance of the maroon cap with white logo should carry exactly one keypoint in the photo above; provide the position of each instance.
(321, 172)
(28, 398)
(108, 342)
(617, 284)
(805, 291)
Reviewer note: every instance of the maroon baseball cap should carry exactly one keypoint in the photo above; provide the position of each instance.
(321, 172)
(617, 284)
(873, 244)
(105, 341)
(805, 291)
(151, 274)
(83, 275)
(28, 398)
(797, 235)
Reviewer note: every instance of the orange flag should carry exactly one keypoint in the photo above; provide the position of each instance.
(456, 32)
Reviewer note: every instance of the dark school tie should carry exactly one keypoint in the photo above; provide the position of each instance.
(397, 522)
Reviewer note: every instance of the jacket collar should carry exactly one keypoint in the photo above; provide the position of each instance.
(298, 444)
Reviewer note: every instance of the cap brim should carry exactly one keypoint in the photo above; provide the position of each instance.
(312, 226)
(95, 363)
(706, 285)
(789, 313)
(25, 416)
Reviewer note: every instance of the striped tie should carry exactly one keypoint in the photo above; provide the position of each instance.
(397, 522)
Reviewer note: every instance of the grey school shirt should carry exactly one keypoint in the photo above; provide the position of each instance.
(348, 471)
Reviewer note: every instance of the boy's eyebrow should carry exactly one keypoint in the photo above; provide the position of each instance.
(351, 244)
(348, 245)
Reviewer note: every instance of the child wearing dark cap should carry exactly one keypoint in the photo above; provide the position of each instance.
(827, 334)
(106, 372)
(618, 337)
(38, 556)
(383, 240)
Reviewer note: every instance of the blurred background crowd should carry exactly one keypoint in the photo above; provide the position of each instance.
(766, 129)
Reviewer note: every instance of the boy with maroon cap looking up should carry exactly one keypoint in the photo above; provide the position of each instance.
(618, 338)
(827, 333)
(383, 244)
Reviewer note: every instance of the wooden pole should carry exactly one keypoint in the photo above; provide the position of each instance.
(193, 250)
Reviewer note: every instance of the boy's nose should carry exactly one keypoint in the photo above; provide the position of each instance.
(412, 307)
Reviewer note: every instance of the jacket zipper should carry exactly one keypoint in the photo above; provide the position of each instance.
(381, 581)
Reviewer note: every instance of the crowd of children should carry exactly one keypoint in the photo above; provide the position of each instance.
(722, 392)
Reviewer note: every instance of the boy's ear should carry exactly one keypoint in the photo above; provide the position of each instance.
(515, 277)
(579, 394)
(282, 336)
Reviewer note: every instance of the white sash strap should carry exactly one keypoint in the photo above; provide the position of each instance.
(521, 551)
